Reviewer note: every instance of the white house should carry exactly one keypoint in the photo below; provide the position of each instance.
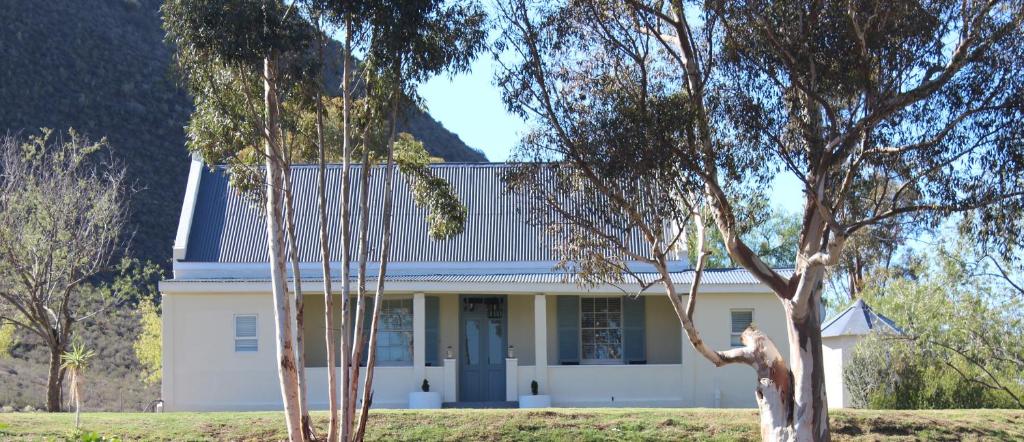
(839, 336)
(480, 316)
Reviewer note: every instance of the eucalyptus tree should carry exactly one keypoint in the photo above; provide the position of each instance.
(63, 209)
(407, 43)
(653, 114)
(227, 52)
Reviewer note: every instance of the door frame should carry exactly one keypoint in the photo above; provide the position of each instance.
(462, 340)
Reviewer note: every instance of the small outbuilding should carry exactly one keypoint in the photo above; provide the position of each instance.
(839, 336)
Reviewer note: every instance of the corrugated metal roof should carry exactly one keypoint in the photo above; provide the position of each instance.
(858, 319)
(228, 228)
(712, 276)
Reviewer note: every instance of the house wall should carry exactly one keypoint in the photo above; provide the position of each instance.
(836, 352)
(201, 369)
(521, 327)
(203, 372)
(732, 385)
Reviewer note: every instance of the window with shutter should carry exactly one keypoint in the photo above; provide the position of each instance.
(246, 334)
(740, 320)
(601, 329)
(394, 333)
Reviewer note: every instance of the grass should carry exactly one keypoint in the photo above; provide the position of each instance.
(554, 424)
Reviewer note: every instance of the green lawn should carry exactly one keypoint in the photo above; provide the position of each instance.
(555, 424)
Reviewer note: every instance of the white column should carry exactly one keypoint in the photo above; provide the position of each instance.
(511, 379)
(450, 379)
(167, 319)
(419, 339)
(540, 341)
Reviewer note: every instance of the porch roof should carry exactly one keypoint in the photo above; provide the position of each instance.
(713, 277)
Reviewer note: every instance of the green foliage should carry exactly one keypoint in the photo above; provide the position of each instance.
(961, 346)
(149, 343)
(7, 338)
(446, 216)
(77, 359)
(888, 372)
(770, 232)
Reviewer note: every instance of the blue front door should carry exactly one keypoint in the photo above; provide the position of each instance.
(482, 331)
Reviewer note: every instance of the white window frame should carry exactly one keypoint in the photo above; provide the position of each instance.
(622, 328)
(412, 333)
(256, 338)
(737, 335)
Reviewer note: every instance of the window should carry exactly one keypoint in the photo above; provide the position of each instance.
(601, 329)
(394, 339)
(246, 334)
(740, 320)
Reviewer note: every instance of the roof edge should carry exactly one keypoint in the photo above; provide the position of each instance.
(188, 207)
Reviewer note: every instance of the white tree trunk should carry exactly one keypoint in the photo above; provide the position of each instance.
(378, 297)
(346, 233)
(357, 327)
(300, 346)
(275, 250)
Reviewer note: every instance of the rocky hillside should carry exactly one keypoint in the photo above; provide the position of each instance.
(101, 66)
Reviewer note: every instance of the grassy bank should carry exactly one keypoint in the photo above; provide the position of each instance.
(557, 424)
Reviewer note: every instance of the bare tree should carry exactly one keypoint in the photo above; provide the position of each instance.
(63, 208)
(704, 101)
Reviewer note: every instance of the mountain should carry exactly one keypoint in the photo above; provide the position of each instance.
(102, 67)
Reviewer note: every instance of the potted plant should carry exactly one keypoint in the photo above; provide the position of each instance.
(425, 399)
(535, 399)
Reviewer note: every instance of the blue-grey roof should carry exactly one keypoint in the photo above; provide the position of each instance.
(858, 319)
(228, 228)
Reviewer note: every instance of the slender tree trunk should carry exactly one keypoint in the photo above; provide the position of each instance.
(378, 297)
(325, 258)
(54, 379)
(346, 231)
(300, 347)
(358, 335)
(275, 248)
(78, 399)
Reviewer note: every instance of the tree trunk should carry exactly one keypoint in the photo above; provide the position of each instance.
(325, 257)
(275, 247)
(810, 414)
(54, 380)
(300, 347)
(357, 326)
(346, 232)
(378, 297)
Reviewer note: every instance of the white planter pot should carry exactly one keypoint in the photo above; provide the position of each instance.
(428, 400)
(535, 401)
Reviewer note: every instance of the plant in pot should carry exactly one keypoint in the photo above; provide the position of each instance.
(425, 399)
(535, 400)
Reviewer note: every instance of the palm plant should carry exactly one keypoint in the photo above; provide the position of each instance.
(75, 362)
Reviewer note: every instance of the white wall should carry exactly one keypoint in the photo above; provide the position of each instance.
(202, 371)
(731, 386)
(837, 352)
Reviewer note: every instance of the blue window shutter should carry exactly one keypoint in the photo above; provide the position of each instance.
(433, 338)
(634, 321)
(568, 311)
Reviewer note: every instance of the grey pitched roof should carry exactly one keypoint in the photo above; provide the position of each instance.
(228, 228)
(858, 319)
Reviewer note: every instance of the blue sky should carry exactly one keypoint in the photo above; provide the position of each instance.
(470, 105)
